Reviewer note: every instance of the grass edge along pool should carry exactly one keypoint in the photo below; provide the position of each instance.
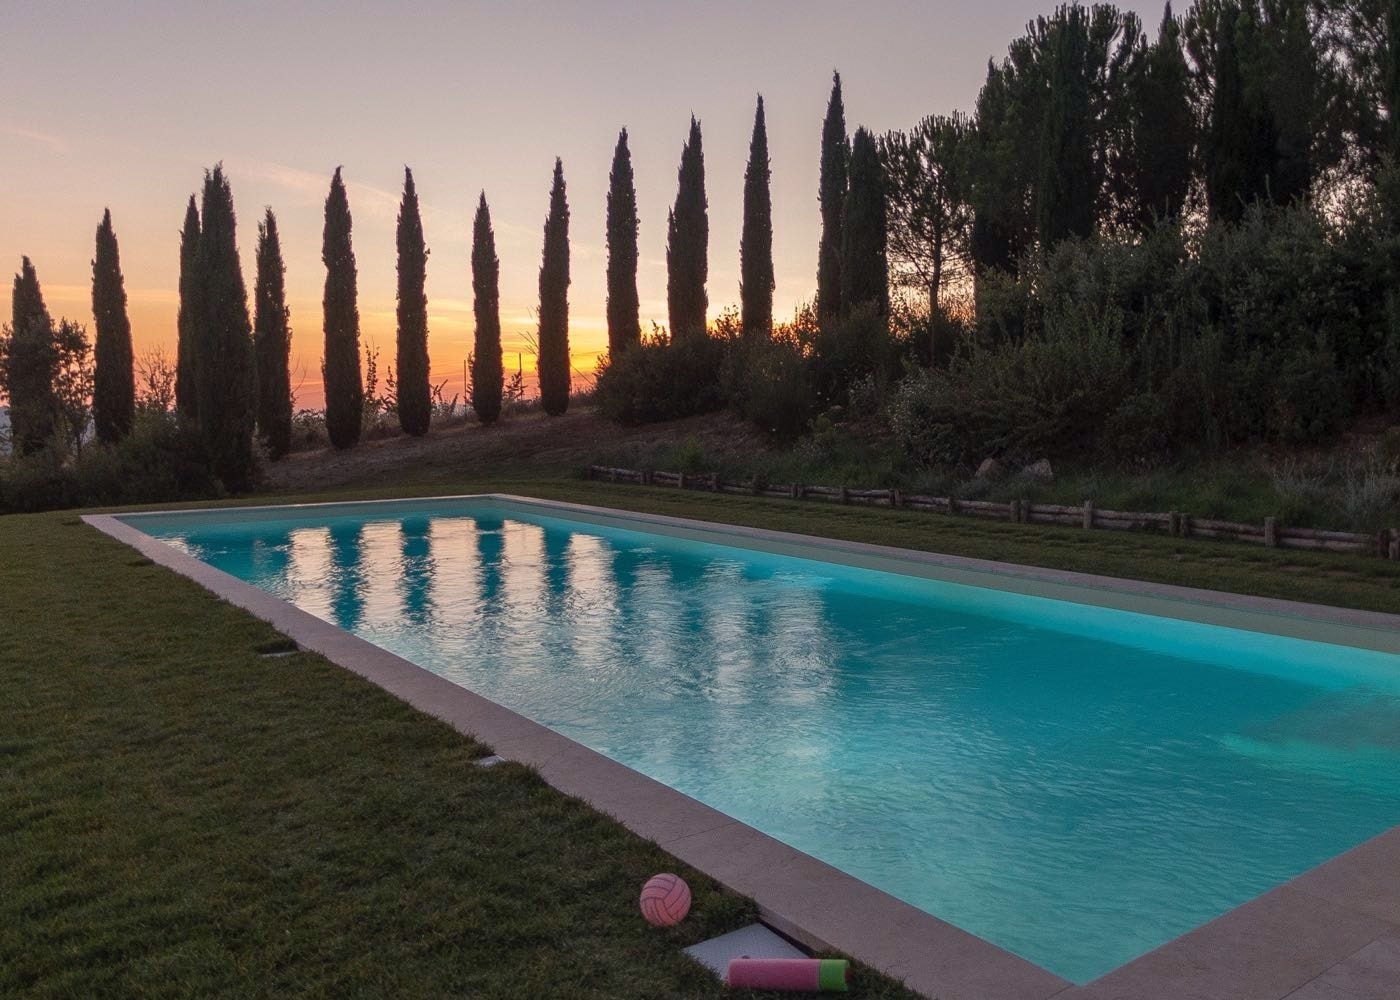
(1284, 663)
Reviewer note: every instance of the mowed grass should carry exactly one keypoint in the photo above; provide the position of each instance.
(182, 817)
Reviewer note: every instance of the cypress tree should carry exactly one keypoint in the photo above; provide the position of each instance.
(225, 377)
(1163, 129)
(411, 361)
(756, 242)
(186, 398)
(624, 324)
(272, 342)
(345, 392)
(1239, 141)
(993, 243)
(553, 358)
(1066, 195)
(1390, 76)
(864, 268)
(27, 304)
(114, 376)
(30, 366)
(1388, 179)
(688, 243)
(488, 376)
(831, 194)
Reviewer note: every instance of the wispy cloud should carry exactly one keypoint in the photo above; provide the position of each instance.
(312, 186)
(55, 143)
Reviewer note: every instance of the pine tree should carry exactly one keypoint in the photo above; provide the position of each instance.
(186, 396)
(688, 244)
(114, 380)
(756, 241)
(1159, 174)
(624, 323)
(272, 342)
(926, 202)
(553, 358)
(864, 267)
(28, 366)
(415, 402)
(225, 377)
(345, 391)
(1067, 192)
(487, 375)
(831, 194)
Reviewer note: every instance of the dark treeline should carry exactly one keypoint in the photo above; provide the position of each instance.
(1138, 241)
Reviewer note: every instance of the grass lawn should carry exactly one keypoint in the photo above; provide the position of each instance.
(182, 817)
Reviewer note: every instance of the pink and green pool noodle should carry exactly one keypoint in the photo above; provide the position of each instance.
(809, 975)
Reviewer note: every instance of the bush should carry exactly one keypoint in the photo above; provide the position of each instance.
(161, 460)
(1137, 432)
(1044, 394)
(1310, 396)
(661, 379)
(848, 349)
(770, 384)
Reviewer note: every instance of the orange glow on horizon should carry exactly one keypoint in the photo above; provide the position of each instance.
(450, 337)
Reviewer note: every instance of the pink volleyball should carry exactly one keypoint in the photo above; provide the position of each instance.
(665, 900)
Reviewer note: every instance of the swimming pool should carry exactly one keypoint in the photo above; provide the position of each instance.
(1074, 783)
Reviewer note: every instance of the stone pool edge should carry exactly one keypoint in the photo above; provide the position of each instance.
(1318, 931)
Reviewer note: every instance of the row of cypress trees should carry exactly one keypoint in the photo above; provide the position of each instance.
(34, 349)
(852, 263)
(233, 371)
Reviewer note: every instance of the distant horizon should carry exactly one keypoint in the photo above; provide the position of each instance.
(471, 99)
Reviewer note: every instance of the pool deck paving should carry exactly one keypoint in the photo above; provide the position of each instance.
(1332, 933)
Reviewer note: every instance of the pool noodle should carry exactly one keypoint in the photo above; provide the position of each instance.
(814, 975)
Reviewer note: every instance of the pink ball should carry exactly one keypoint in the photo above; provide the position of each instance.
(665, 900)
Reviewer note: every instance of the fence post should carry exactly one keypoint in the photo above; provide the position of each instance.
(1271, 532)
(1088, 514)
(896, 501)
(1383, 543)
(714, 482)
(1014, 509)
(680, 480)
(1185, 522)
(845, 495)
(797, 491)
(952, 505)
(753, 486)
(612, 475)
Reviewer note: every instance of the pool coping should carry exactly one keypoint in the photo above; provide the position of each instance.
(1330, 921)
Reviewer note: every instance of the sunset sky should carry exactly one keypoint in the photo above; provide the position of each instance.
(123, 105)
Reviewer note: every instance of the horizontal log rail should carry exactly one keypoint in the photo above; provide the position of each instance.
(1384, 543)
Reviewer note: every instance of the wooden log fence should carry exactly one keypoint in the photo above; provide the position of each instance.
(1384, 543)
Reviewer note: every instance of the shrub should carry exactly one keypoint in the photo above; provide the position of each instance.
(847, 349)
(161, 460)
(1137, 431)
(770, 384)
(662, 379)
(1049, 393)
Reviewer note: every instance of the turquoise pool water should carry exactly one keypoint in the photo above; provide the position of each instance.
(1074, 784)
